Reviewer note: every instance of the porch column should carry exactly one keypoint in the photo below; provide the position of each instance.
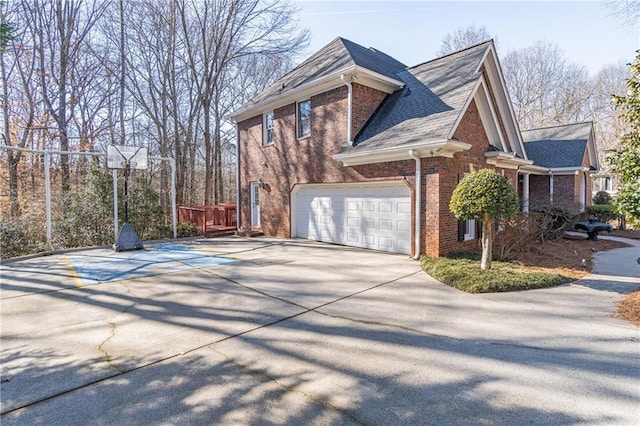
(550, 188)
(525, 193)
(583, 191)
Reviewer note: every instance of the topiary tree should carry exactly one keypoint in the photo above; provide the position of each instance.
(484, 195)
(601, 198)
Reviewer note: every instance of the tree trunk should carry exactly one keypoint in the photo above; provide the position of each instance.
(487, 242)
(208, 160)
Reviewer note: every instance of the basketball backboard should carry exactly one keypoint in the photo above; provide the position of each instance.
(119, 155)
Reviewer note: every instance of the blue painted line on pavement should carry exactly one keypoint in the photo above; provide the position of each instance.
(154, 260)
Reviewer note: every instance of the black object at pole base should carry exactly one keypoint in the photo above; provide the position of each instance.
(128, 239)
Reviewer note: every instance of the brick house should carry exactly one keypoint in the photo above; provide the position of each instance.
(353, 147)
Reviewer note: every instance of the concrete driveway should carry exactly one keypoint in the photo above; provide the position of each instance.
(266, 331)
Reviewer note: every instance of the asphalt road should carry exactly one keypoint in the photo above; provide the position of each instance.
(265, 331)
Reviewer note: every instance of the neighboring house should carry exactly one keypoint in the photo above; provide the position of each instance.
(353, 147)
(568, 153)
(603, 182)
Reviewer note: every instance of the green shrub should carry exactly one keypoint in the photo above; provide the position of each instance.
(14, 241)
(86, 217)
(603, 212)
(463, 272)
(188, 229)
(601, 198)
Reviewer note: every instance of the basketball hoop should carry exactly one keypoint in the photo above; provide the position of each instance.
(127, 158)
(119, 157)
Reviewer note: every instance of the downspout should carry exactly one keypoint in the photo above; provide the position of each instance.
(347, 80)
(418, 192)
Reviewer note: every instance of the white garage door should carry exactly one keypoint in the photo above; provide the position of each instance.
(376, 217)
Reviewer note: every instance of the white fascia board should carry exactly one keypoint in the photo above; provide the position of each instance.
(299, 93)
(534, 170)
(376, 80)
(567, 170)
(464, 108)
(506, 160)
(505, 101)
(446, 148)
(592, 149)
(483, 104)
(364, 76)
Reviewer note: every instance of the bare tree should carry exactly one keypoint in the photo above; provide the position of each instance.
(609, 126)
(628, 11)
(18, 72)
(59, 48)
(217, 34)
(544, 89)
(463, 38)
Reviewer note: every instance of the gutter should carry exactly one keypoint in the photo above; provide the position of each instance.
(418, 192)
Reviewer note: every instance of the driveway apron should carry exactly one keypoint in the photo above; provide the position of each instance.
(298, 332)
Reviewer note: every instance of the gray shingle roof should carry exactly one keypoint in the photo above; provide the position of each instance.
(558, 146)
(426, 109)
(338, 54)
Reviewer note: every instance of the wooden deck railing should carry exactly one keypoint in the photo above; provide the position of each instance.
(210, 218)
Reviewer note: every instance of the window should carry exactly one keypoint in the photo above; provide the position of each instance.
(469, 230)
(267, 131)
(304, 119)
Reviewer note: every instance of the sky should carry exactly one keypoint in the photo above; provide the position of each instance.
(412, 31)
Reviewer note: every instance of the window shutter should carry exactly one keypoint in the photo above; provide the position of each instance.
(479, 229)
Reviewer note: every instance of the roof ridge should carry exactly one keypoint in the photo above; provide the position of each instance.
(312, 56)
(451, 54)
(558, 125)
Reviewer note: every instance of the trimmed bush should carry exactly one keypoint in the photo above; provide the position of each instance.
(603, 212)
(602, 198)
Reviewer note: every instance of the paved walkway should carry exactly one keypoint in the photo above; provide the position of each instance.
(296, 332)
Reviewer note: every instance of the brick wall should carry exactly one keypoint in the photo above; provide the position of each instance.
(290, 161)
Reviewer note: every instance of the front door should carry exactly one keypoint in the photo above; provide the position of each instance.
(255, 204)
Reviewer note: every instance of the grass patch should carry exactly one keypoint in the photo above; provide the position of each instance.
(462, 271)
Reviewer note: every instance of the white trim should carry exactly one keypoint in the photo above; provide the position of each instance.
(265, 130)
(583, 191)
(525, 192)
(298, 135)
(534, 170)
(418, 204)
(504, 102)
(494, 124)
(255, 213)
(315, 87)
(446, 148)
(567, 170)
(506, 160)
(471, 235)
(464, 109)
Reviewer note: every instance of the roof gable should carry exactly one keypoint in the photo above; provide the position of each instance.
(427, 108)
(561, 146)
(340, 56)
